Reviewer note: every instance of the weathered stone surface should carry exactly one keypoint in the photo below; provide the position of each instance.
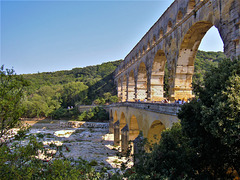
(173, 41)
(150, 118)
(77, 124)
(116, 127)
(87, 143)
(124, 139)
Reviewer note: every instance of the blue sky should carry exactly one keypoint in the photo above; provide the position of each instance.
(47, 36)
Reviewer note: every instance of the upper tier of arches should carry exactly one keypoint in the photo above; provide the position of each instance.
(171, 44)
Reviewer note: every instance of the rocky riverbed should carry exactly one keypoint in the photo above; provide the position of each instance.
(89, 141)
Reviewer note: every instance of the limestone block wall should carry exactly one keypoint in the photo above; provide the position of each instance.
(173, 42)
(144, 117)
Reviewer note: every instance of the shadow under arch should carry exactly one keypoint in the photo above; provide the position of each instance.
(133, 128)
(157, 76)
(154, 133)
(185, 62)
(115, 118)
(123, 121)
(111, 114)
(142, 82)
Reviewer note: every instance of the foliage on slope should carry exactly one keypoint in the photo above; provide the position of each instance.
(54, 91)
(203, 62)
(51, 90)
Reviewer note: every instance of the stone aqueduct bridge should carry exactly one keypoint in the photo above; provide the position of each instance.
(133, 117)
(172, 43)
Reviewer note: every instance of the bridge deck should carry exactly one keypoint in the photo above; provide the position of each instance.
(171, 109)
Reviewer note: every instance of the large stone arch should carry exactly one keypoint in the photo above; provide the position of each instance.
(154, 133)
(131, 86)
(142, 82)
(123, 121)
(191, 19)
(185, 63)
(133, 128)
(157, 76)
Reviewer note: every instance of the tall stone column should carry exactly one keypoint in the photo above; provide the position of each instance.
(111, 129)
(116, 133)
(138, 147)
(124, 140)
(131, 92)
(119, 90)
(157, 86)
(135, 88)
(124, 91)
(131, 87)
(149, 87)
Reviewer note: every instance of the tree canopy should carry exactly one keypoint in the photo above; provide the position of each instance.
(11, 93)
(206, 143)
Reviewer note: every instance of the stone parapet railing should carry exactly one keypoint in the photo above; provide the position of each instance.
(170, 109)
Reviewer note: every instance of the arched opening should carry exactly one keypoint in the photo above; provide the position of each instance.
(123, 121)
(124, 88)
(191, 5)
(157, 77)
(148, 46)
(186, 60)
(115, 118)
(154, 133)
(143, 50)
(119, 89)
(169, 26)
(211, 42)
(179, 16)
(131, 87)
(160, 34)
(142, 82)
(134, 129)
(154, 40)
(139, 54)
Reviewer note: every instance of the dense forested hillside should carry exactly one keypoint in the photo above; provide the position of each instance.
(89, 75)
(52, 92)
(204, 61)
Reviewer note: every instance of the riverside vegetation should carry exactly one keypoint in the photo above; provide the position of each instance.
(209, 129)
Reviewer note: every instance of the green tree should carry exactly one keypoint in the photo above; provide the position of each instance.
(11, 93)
(213, 122)
(43, 102)
(207, 144)
(107, 96)
(74, 92)
(114, 99)
(99, 101)
(170, 158)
